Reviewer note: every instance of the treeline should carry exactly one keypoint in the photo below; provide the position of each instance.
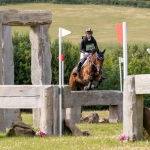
(138, 62)
(134, 3)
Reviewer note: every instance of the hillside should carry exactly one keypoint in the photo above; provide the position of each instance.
(102, 18)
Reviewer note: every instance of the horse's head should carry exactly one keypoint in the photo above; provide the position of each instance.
(98, 60)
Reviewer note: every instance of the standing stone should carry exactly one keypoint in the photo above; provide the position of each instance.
(2, 120)
(40, 61)
(8, 62)
(132, 110)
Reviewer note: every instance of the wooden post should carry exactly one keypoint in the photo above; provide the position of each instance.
(39, 20)
(132, 110)
(76, 99)
(55, 112)
(40, 61)
(46, 122)
(115, 113)
(2, 120)
(8, 75)
(66, 103)
(74, 113)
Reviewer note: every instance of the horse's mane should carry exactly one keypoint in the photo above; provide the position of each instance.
(94, 51)
(100, 55)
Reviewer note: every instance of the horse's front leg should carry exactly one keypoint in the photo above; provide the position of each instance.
(88, 87)
(99, 82)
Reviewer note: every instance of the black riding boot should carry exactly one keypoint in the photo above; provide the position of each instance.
(75, 73)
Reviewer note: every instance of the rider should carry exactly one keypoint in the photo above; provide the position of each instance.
(88, 43)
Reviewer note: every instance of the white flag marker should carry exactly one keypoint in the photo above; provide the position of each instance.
(125, 55)
(63, 32)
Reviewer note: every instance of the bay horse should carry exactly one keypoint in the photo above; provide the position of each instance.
(90, 71)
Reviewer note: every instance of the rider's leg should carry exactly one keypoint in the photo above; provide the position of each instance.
(80, 63)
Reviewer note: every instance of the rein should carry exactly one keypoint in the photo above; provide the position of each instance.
(90, 63)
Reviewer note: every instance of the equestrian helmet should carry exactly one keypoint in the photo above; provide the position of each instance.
(89, 31)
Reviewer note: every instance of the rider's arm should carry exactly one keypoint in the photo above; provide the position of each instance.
(82, 46)
(95, 43)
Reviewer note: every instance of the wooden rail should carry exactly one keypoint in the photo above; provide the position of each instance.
(134, 88)
(75, 99)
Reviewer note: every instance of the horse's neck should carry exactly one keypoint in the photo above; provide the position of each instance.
(90, 60)
(93, 58)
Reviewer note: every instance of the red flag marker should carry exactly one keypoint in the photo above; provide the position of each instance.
(119, 33)
(62, 57)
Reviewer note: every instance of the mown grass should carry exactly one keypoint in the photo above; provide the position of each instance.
(103, 136)
(102, 18)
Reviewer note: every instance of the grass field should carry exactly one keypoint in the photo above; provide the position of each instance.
(101, 18)
(103, 136)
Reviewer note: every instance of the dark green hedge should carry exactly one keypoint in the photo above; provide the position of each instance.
(138, 62)
(134, 3)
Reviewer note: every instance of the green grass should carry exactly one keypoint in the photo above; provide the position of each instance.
(103, 136)
(102, 18)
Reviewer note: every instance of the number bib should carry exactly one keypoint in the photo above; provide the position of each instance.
(89, 47)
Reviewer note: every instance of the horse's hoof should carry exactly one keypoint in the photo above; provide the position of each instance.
(92, 86)
(86, 88)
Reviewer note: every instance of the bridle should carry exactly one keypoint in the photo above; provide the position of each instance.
(99, 56)
(98, 67)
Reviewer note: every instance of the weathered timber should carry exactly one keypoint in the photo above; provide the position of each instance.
(25, 17)
(132, 110)
(115, 113)
(44, 97)
(97, 97)
(8, 56)
(46, 121)
(20, 90)
(142, 84)
(2, 119)
(40, 61)
(55, 112)
(8, 67)
(73, 100)
(66, 96)
(25, 96)
(40, 55)
(146, 119)
(74, 113)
